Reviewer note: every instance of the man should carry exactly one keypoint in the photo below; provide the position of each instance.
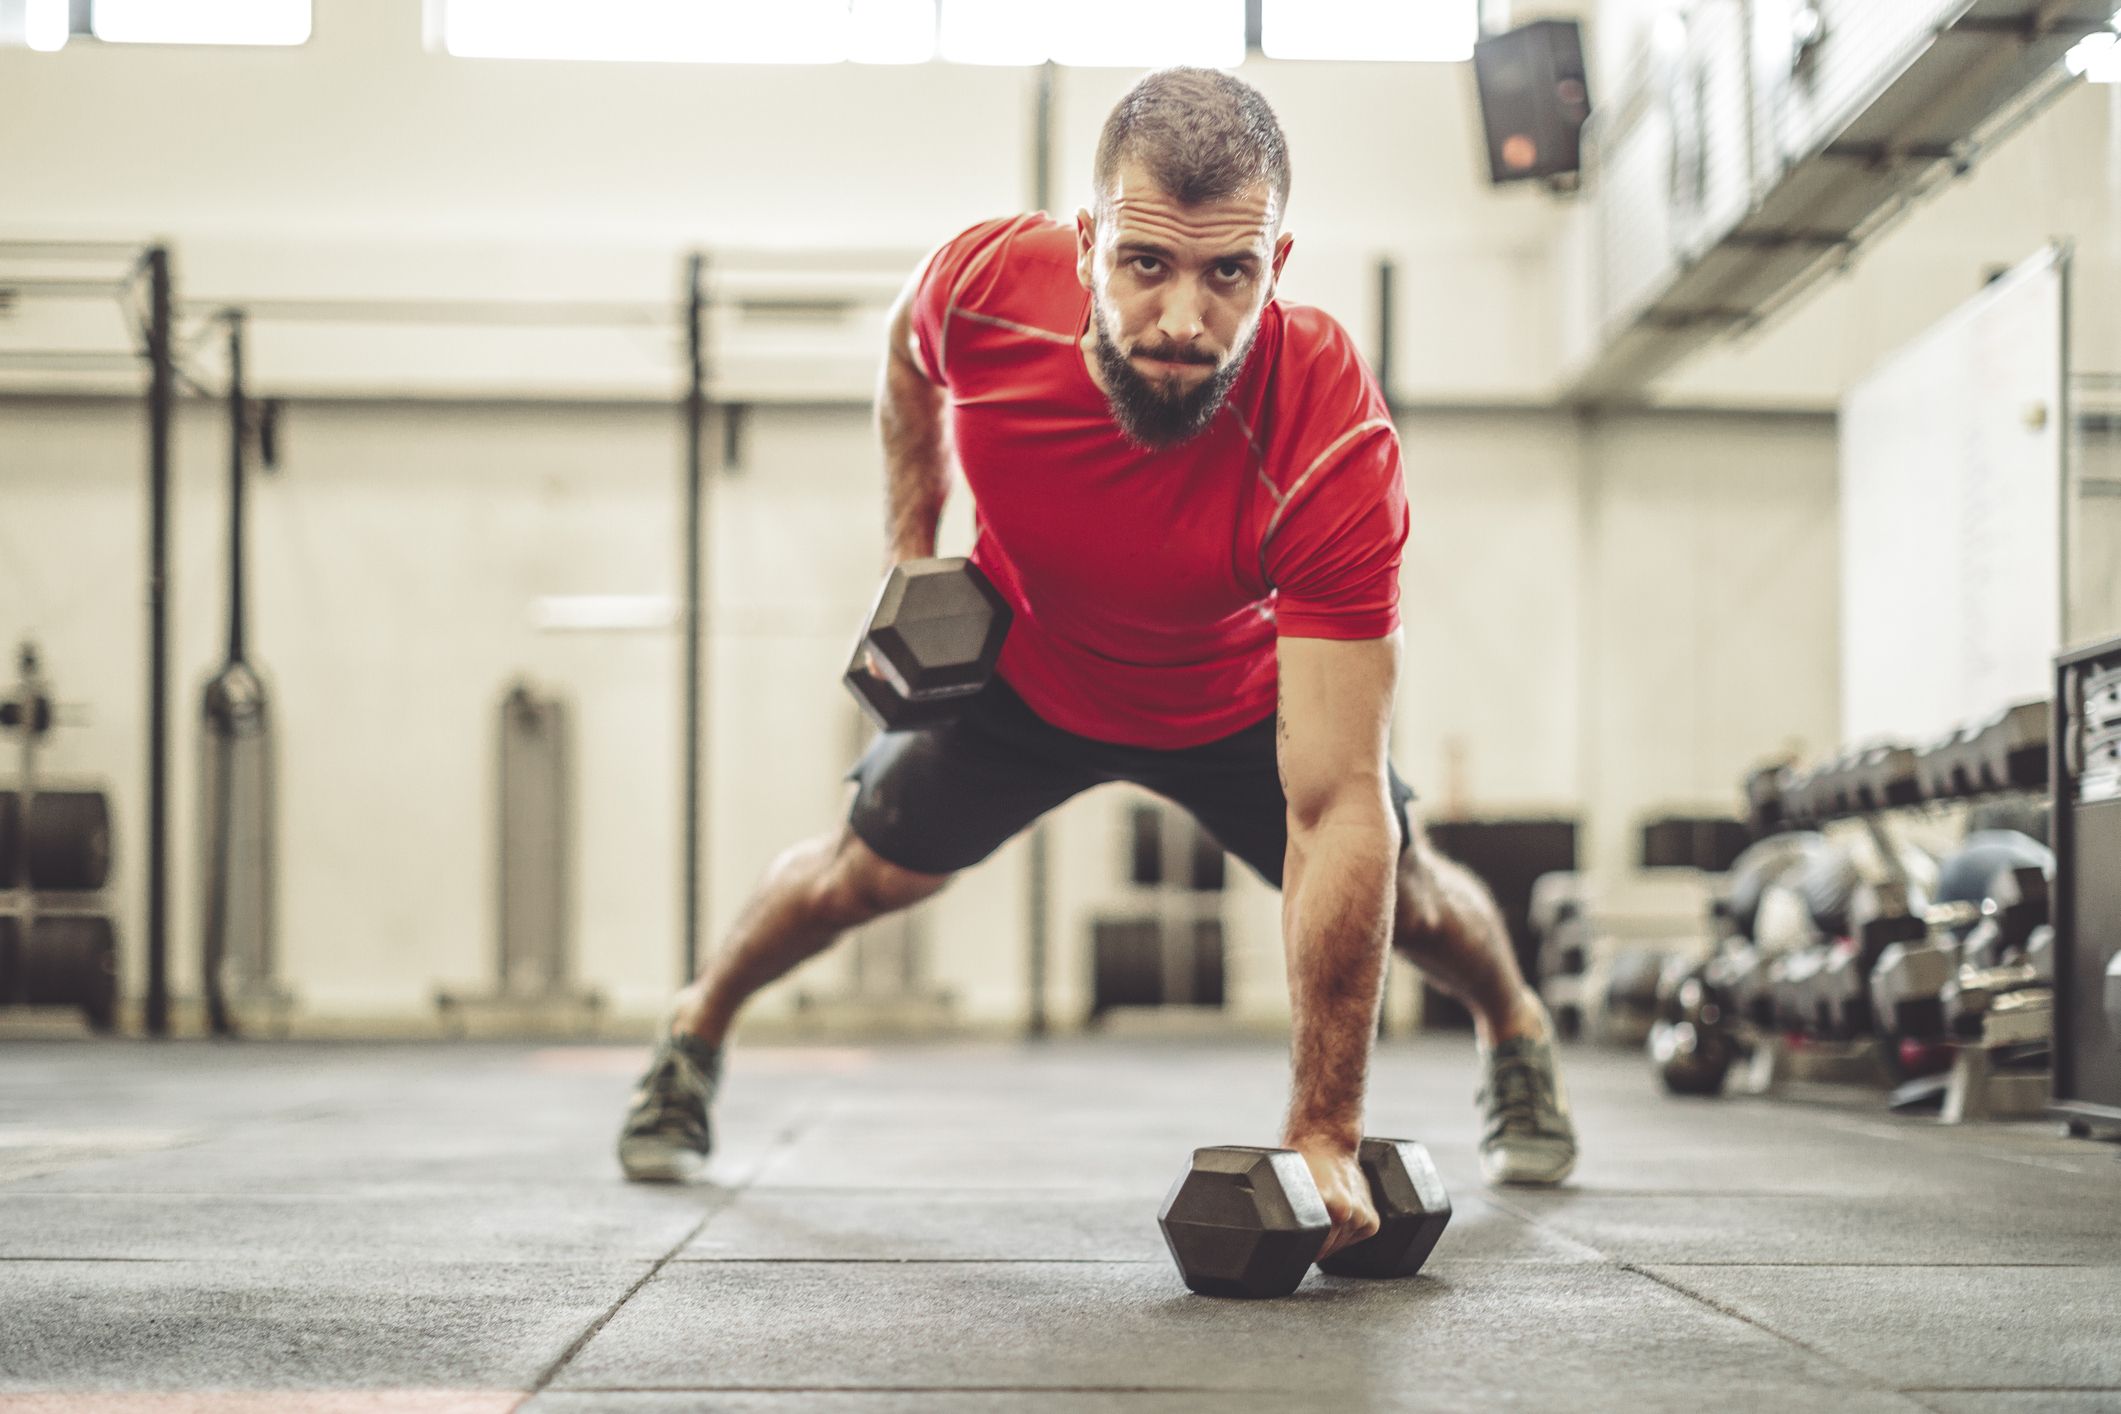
(1191, 495)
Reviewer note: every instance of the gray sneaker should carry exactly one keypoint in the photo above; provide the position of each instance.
(1529, 1137)
(666, 1138)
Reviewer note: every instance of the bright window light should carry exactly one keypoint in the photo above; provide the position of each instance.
(2097, 57)
(1128, 34)
(1119, 34)
(996, 32)
(891, 31)
(200, 21)
(1441, 30)
(46, 24)
(674, 31)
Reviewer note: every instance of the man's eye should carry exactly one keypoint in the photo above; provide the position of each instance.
(1147, 264)
(1230, 270)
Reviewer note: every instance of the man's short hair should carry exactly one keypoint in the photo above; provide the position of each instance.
(1202, 134)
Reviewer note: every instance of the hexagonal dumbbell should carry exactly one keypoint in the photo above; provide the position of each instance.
(2016, 904)
(1412, 1211)
(1691, 1046)
(1247, 1221)
(2113, 996)
(932, 641)
(1907, 989)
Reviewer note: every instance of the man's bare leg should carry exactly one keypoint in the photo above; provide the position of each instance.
(811, 894)
(1449, 927)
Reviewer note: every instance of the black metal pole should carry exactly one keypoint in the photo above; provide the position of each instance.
(1038, 868)
(695, 615)
(1039, 905)
(1385, 273)
(1042, 139)
(237, 443)
(161, 403)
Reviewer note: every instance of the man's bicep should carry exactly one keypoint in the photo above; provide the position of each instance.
(913, 324)
(1335, 718)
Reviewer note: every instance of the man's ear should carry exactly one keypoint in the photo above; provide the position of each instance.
(1085, 245)
(1281, 253)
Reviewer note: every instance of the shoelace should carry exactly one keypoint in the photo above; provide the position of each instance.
(669, 1102)
(1519, 1088)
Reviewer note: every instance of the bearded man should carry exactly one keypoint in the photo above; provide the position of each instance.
(1190, 494)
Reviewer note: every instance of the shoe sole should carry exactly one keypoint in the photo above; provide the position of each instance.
(659, 1163)
(1509, 1173)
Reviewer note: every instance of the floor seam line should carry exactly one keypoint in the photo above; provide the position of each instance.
(1864, 1378)
(574, 1347)
(1500, 1204)
(2011, 1389)
(781, 1142)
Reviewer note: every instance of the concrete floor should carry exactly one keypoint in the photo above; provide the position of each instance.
(442, 1230)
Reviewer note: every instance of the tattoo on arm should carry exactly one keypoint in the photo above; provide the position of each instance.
(1281, 738)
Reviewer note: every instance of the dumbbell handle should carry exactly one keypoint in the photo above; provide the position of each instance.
(1993, 980)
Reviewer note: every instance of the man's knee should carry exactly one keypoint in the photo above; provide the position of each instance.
(1420, 909)
(860, 885)
(1437, 894)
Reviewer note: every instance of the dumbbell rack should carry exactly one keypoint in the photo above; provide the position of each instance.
(2002, 754)
(1167, 947)
(2087, 835)
(30, 713)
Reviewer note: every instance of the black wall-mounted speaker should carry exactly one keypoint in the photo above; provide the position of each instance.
(1533, 99)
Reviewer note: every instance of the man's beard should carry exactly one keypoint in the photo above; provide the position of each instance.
(1151, 418)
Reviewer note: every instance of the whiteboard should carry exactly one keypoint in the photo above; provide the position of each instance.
(1951, 515)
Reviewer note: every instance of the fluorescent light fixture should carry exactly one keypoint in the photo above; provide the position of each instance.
(200, 22)
(2097, 57)
(891, 31)
(1438, 30)
(669, 31)
(1131, 34)
(996, 32)
(602, 613)
(46, 25)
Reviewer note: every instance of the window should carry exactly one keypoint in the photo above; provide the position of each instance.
(692, 31)
(891, 32)
(1441, 30)
(1129, 34)
(48, 24)
(200, 22)
(2097, 56)
(1118, 33)
(44, 25)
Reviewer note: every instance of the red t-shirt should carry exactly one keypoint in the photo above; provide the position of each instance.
(1149, 586)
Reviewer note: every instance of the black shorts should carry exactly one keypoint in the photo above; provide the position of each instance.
(941, 800)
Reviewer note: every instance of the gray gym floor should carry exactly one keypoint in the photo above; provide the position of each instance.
(962, 1228)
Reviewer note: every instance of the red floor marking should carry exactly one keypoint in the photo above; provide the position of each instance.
(276, 1401)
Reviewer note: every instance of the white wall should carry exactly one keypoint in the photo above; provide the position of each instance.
(1612, 619)
(362, 163)
(1604, 618)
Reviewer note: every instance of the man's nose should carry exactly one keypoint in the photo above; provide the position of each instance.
(1183, 317)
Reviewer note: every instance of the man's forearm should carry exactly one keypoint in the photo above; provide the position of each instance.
(910, 418)
(1337, 899)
